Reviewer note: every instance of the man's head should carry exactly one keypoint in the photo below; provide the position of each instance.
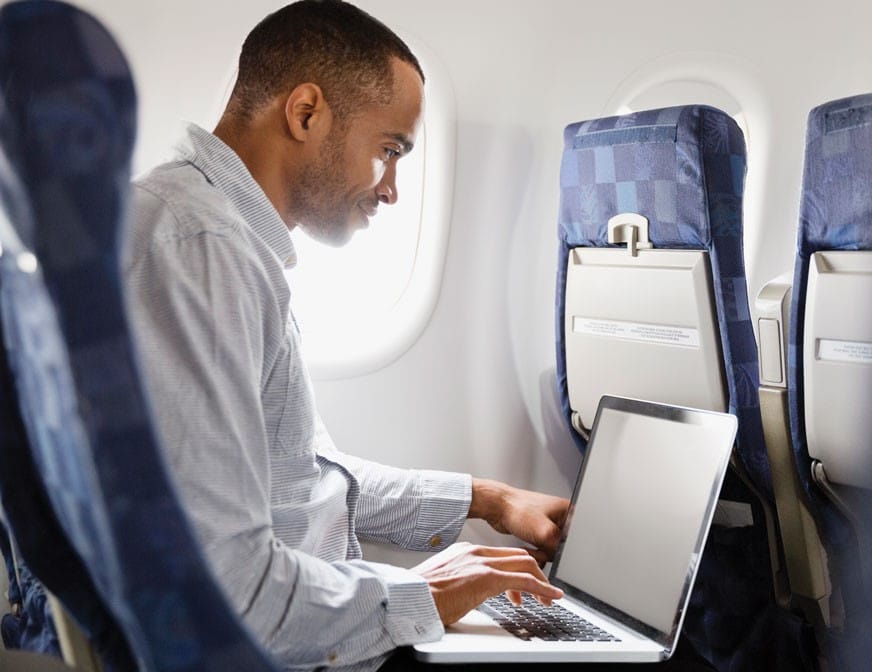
(332, 43)
(326, 100)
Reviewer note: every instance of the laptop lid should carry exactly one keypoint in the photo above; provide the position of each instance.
(641, 511)
(639, 516)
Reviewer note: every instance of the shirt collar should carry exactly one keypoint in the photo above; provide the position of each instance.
(223, 168)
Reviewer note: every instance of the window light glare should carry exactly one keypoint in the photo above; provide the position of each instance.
(368, 275)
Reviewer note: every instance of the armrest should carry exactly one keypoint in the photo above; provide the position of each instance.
(804, 554)
(772, 308)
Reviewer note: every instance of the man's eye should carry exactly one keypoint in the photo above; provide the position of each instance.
(390, 153)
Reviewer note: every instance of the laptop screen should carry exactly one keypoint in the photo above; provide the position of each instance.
(641, 509)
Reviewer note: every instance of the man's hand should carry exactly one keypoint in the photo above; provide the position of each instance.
(531, 516)
(464, 575)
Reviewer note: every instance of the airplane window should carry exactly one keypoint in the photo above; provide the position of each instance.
(359, 307)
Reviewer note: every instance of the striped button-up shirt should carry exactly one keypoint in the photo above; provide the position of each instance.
(278, 510)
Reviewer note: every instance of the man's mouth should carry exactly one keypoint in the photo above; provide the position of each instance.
(369, 210)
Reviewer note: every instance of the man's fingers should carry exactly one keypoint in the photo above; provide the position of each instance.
(515, 597)
(542, 557)
(511, 560)
(519, 563)
(463, 576)
(498, 551)
(454, 551)
(526, 583)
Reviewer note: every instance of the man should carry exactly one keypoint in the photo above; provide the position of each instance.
(326, 102)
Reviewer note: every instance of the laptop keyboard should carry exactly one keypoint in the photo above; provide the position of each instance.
(532, 620)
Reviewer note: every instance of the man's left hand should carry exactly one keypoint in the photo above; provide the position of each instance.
(533, 517)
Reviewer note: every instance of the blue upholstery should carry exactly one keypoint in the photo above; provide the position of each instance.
(40, 540)
(67, 128)
(683, 168)
(835, 214)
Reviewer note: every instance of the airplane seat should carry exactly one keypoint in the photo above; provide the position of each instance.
(54, 574)
(829, 373)
(72, 405)
(652, 303)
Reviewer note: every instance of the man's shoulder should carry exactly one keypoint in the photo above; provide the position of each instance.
(178, 184)
(177, 197)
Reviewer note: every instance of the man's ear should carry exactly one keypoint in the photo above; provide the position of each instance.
(307, 112)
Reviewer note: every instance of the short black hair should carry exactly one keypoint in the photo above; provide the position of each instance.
(331, 43)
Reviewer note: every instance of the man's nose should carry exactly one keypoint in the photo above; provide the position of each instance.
(386, 189)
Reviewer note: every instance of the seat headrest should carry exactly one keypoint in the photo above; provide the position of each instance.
(836, 207)
(681, 167)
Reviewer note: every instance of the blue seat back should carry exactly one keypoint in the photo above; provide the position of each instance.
(836, 215)
(41, 541)
(67, 133)
(683, 168)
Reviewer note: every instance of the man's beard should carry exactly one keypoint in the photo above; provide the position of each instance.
(319, 208)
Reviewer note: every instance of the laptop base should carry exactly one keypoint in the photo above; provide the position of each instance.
(476, 638)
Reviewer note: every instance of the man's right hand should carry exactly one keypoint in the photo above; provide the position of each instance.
(464, 575)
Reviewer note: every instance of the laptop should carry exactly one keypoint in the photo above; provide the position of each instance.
(640, 513)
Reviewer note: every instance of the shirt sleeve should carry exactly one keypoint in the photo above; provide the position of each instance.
(198, 298)
(416, 509)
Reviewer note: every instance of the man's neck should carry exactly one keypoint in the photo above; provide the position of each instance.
(254, 143)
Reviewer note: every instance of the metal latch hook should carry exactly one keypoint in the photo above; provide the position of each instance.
(630, 228)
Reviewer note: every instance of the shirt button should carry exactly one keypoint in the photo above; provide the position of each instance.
(332, 658)
(435, 540)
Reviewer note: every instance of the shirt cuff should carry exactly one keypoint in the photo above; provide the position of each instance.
(411, 616)
(445, 500)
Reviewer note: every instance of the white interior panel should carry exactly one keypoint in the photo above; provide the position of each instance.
(837, 354)
(642, 326)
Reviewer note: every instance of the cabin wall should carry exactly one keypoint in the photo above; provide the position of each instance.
(476, 392)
